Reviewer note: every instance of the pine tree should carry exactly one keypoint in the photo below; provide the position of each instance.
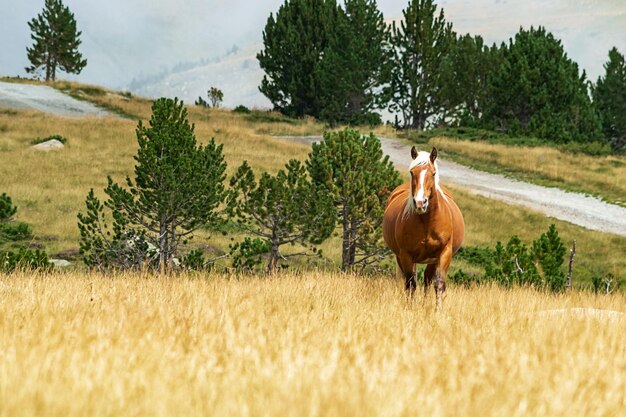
(281, 209)
(356, 65)
(357, 176)
(421, 44)
(56, 41)
(464, 80)
(177, 188)
(609, 98)
(293, 45)
(537, 90)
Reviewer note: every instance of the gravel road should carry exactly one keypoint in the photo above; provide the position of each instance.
(45, 99)
(579, 209)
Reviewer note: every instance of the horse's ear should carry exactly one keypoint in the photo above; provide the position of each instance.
(433, 155)
(413, 152)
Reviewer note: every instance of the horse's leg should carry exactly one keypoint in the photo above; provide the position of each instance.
(405, 262)
(440, 274)
(429, 274)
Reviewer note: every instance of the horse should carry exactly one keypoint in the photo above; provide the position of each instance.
(423, 225)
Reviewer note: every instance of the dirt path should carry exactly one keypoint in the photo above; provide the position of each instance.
(579, 209)
(45, 99)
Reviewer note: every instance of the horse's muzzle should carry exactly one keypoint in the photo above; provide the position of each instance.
(421, 206)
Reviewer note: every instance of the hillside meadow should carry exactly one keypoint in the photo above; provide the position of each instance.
(313, 344)
(50, 188)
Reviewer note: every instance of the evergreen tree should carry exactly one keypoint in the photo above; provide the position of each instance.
(293, 45)
(56, 41)
(281, 209)
(421, 44)
(464, 80)
(356, 65)
(609, 97)
(177, 188)
(537, 90)
(357, 176)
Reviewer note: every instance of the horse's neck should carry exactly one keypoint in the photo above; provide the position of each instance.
(436, 199)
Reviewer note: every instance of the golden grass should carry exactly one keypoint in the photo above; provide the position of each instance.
(313, 345)
(603, 176)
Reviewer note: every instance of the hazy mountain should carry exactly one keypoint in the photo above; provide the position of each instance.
(181, 49)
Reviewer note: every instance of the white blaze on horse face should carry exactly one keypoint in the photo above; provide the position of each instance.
(419, 198)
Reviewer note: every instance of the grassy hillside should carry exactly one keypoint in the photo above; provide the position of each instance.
(314, 345)
(49, 188)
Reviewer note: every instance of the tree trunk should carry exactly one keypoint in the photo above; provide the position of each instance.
(272, 262)
(352, 256)
(163, 245)
(345, 250)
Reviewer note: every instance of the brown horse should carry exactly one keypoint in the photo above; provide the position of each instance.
(422, 224)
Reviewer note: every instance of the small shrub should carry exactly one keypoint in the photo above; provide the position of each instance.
(588, 148)
(241, 109)
(60, 138)
(7, 209)
(15, 231)
(517, 264)
(606, 284)
(24, 258)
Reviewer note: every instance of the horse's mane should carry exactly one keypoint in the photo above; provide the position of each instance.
(422, 158)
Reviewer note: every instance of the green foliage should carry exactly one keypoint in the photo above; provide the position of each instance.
(14, 234)
(359, 46)
(609, 97)
(250, 253)
(535, 89)
(195, 260)
(115, 247)
(14, 231)
(60, 138)
(539, 265)
(241, 109)
(294, 42)
(7, 209)
(421, 45)
(549, 253)
(463, 85)
(606, 284)
(359, 178)
(24, 258)
(177, 188)
(281, 209)
(56, 41)
(216, 96)
(201, 102)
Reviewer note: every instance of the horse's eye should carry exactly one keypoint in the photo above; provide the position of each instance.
(434, 173)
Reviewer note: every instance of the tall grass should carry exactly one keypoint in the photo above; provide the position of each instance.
(313, 345)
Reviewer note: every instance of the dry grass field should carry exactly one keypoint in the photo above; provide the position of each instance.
(318, 344)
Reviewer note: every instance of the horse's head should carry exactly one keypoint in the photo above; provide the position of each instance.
(424, 178)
